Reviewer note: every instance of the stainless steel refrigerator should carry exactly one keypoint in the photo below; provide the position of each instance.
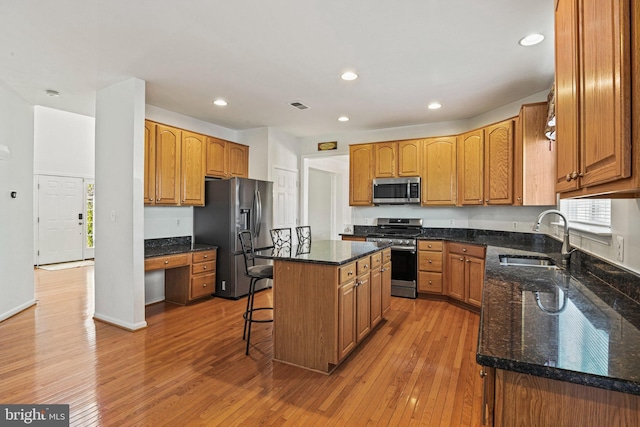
(232, 205)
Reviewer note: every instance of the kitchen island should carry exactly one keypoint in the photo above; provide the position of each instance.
(327, 297)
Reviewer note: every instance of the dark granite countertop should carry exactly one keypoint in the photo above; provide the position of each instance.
(173, 246)
(579, 324)
(333, 252)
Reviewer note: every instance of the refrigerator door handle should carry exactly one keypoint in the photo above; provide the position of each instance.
(258, 213)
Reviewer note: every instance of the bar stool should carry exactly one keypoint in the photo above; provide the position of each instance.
(255, 273)
(281, 237)
(304, 235)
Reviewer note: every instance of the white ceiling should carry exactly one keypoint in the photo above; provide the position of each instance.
(260, 55)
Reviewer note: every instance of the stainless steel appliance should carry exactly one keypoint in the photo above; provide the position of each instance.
(402, 234)
(396, 191)
(232, 205)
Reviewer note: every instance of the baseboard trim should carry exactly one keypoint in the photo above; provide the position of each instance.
(16, 310)
(132, 327)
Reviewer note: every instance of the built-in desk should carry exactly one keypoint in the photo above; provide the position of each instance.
(327, 297)
(189, 269)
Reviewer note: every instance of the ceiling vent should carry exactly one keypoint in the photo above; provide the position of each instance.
(299, 105)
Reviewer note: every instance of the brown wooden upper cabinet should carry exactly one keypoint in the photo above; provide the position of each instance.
(397, 158)
(471, 168)
(226, 159)
(535, 158)
(597, 75)
(439, 174)
(192, 167)
(361, 159)
(485, 165)
(162, 164)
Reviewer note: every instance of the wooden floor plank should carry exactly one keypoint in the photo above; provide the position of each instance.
(188, 366)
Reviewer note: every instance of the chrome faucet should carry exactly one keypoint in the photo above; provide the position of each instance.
(566, 245)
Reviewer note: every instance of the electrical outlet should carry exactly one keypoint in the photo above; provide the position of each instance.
(224, 285)
(515, 225)
(451, 222)
(178, 222)
(620, 248)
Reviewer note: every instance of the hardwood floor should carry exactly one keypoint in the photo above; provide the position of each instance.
(188, 367)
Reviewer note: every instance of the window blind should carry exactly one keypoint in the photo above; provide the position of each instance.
(593, 212)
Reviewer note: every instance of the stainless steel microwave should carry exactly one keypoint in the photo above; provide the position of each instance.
(396, 191)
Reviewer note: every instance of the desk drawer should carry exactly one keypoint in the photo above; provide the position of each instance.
(430, 282)
(204, 256)
(169, 261)
(203, 285)
(347, 272)
(203, 267)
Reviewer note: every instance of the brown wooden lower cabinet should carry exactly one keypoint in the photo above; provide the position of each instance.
(515, 399)
(322, 312)
(464, 272)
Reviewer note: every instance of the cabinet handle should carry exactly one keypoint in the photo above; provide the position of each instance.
(486, 200)
(206, 256)
(204, 285)
(429, 245)
(158, 199)
(464, 249)
(429, 281)
(204, 267)
(568, 177)
(366, 266)
(429, 261)
(483, 373)
(467, 260)
(461, 259)
(480, 200)
(350, 273)
(519, 198)
(166, 262)
(580, 175)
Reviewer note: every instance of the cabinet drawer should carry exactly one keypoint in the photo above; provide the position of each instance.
(430, 245)
(203, 285)
(347, 272)
(204, 256)
(169, 261)
(203, 267)
(376, 260)
(430, 282)
(364, 265)
(467, 249)
(386, 255)
(430, 261)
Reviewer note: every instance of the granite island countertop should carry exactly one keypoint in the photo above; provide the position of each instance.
(332, 252)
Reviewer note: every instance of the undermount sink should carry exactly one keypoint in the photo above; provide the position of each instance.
(528, 261)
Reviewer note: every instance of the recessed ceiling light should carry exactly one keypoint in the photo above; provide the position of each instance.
(531, 39)
(434, 106)
(220, 102)
(349, 75)
(53, 93)
(343, 118)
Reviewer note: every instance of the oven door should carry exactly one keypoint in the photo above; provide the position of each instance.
(404, 272)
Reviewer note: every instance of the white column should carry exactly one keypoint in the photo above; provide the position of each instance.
(119, 215)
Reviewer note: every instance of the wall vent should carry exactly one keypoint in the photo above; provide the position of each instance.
(299, 105)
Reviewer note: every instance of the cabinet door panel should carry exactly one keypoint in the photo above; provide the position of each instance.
(471, 168)
(498, 161)
(605, 91)
(363, 307)
(566, 28)
(149, 163)
(439, 171)
(360, 174)
(217, 157)
(238, 160)
(168, 151)
(475, 279)
(376, 297)
(456, 277)
(193, 168)
(409, 158)
(346, 319)
(385, 159)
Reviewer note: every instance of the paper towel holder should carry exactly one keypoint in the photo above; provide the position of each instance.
(4, 152)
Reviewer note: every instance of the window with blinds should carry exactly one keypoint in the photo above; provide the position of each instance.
(584, 211)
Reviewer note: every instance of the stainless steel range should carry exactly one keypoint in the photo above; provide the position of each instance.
(402, 234)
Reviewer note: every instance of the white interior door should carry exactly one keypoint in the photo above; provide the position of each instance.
(89, 219)
(60, 229)
(322, 204)
(285, 199)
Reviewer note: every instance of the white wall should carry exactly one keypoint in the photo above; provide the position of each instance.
(119, 253)
(16, 232)
(258, 142)
(283, 151)
(64, 143)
